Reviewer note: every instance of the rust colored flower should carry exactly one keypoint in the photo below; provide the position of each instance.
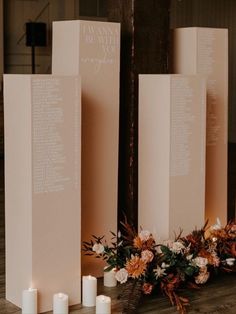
(211, 257)
(143, 244)
(171, 282)
(135, 267)
(221, 233)
(149, 244)
(138, 242)
(147, 288)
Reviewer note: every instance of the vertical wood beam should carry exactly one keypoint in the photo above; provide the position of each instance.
(144, 49)
(70, 9)
(1, 77)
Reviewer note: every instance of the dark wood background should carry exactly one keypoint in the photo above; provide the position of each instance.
(144, 50)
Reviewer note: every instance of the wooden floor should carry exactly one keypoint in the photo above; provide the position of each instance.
(218, 296)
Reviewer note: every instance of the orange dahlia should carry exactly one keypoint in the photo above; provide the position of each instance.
(135, 267)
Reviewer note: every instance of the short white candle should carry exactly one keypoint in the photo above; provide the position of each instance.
(29, 301)
(60, 303)
(89, 291)
(103, 304)
(109, 279)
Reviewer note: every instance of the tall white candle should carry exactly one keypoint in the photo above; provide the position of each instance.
(89, 291)
(29, 301)
(60, 303)
(103, 304)
(109, 279)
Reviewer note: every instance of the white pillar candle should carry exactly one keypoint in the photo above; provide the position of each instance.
(109, 279)
(103, 304)
(29, 301)
(89, 291)
(60, 303)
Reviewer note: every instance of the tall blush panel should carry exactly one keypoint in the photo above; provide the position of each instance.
(204, 51)
(42, 186)
(172, 124)
(92, 50)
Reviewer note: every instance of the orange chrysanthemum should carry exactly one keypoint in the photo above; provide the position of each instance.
(138, 243)
(135, 267)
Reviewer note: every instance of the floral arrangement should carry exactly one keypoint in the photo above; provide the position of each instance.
(168, 266)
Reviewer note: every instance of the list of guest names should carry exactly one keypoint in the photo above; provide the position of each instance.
(181, 127)
(48, 147)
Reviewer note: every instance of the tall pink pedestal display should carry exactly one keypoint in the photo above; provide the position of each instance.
(92, 49)
(205, 51)
(42, 184)
(172, 125)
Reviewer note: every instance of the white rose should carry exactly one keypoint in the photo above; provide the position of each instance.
(200, 261)
(177, 247)
(230, 261)
(122, 275)
(144, 235)
(98, 248)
